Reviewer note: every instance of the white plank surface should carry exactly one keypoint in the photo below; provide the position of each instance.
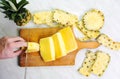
(111, 8)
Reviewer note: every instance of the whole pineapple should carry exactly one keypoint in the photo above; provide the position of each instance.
(16, 11)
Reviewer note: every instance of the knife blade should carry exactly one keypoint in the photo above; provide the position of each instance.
(25, 73)
(26, 57)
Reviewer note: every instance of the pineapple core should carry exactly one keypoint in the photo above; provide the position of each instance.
(32, 47)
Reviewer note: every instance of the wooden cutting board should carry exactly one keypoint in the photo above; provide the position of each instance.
(35, 59)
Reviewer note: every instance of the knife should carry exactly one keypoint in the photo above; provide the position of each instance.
(26, 57)
(25, 73)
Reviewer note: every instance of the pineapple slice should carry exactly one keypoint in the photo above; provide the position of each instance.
(47, 49)
(69, 39)
(59, 45)
(32, 47)
(93, 20)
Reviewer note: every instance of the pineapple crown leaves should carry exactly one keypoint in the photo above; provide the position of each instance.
(12, 9)
(12, 4)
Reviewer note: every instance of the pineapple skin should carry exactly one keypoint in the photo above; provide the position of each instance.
(24, 21)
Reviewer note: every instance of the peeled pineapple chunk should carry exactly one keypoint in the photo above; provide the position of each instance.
(69, 39)
(32, 47)
(59, 45)
(93, 20)
(47, 49)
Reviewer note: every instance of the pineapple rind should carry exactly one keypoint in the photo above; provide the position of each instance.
(88, 63)
(108, 42)
(65, 18)
(101, 63)
(91, 34)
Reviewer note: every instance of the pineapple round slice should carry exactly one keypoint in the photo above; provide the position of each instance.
(93, 20)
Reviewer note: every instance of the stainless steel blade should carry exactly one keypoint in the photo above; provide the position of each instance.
(25, 73)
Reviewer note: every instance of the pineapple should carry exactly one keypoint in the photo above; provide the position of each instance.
(15, 11)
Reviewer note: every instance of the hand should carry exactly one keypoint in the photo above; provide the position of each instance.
(9, 46)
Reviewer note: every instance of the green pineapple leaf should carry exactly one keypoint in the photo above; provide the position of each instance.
(22, 3)
(11, 10)
(15, 11)
(3, 7)
(12, 5)
(13, 16)
(14, 2)
(5, 3)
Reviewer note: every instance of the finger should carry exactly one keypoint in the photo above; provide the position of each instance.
(17, 53)
(15, 39)
(15, 45)
(20, 44)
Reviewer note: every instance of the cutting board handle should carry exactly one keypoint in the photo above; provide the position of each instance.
(89, 45)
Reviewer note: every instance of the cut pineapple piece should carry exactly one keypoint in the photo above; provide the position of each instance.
(79, 35)
(88, 33)
(93, 20)
(59, 45)
(108, 42)
(64, 18)
(84, 39)
(88, 63)
(69, 39)
(95, 63)
(47, 49)
(101, 63)
(44, 18)
(32, 47)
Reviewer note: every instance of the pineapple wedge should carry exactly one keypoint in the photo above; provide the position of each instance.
(69, 39)
(47, 49)
(32, 47)
(59, 45)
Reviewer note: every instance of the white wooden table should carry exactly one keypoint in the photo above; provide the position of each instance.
(9, 68)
